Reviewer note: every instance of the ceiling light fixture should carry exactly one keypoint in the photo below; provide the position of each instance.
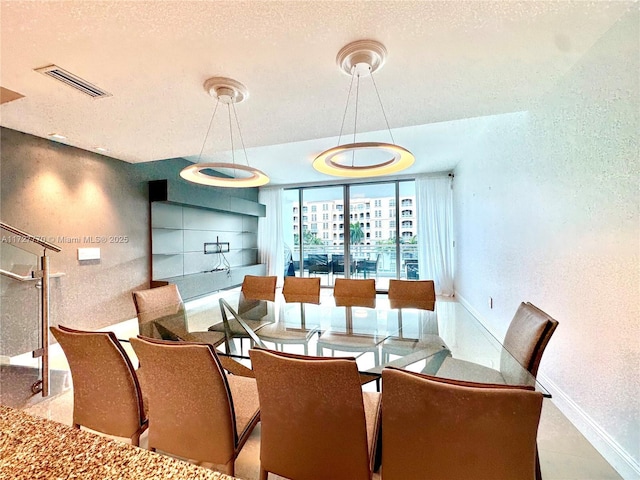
(361, 59)
(229, 92)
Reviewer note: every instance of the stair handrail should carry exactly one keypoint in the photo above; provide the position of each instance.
(31, 238)
(15, 276)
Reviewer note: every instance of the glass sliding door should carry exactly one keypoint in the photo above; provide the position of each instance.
(372, 235)
(316, 216)
(352, 231)
(291, 231)
(407, 228)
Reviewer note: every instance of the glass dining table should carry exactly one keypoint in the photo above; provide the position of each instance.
(420, 338)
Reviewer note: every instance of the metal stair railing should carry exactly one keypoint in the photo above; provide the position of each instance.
(44, 275)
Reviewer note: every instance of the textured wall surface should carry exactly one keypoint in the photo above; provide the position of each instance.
(78, 199)
(547, 210)
(68, 195)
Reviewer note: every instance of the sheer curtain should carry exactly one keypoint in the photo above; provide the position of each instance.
(435, 231)
(270, 239)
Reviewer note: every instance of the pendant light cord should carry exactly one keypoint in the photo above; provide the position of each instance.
(233, 154)
(208, 129)
(346, 107)
(382, 107)
(235, 113)
(355, 120)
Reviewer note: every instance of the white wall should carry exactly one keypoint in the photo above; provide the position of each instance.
(547, 210)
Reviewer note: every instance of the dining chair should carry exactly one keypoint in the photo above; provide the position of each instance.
(524, 343)
(196, 410)
(316, 423)
(256, 287)
(297, 293)
(412, 294)
(161, 314)
(252, 308)
(349, 292)
(301, 289)
(318, 263)
(106, 392)
(368, 266)
(449, 430)
(337, 264)
(412, 303)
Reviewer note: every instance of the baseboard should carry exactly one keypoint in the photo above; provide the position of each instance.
(612, 452)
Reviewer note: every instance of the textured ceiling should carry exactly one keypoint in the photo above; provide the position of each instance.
(448, 61)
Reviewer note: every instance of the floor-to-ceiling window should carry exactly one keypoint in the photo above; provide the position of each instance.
(353, 231)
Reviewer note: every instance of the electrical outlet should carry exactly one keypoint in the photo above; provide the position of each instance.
(490, 302)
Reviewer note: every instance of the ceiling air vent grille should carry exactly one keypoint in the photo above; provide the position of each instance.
(73, 81)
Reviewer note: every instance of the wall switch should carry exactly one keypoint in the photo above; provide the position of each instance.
(88, 254)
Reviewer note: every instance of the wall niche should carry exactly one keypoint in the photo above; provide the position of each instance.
(178, 237)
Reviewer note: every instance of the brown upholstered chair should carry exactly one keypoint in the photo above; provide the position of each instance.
(436, 428)
(526, 339)
(420, 297)
(161, 314)
(252, 306)
(255, 287)
(349, 292)
(196, 411)
(296, 290)
(412, 294)
(316, 423)
(352, 293)
(106, 392)
(301, 289)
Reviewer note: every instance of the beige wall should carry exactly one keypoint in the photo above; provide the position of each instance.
(52, 190)
(547, 210)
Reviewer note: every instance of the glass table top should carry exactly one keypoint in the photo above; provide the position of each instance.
(441, 339)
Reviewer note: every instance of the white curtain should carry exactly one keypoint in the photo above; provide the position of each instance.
(434, 200)
(270, 239)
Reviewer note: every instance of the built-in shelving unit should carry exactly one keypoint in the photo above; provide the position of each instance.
(179, 233)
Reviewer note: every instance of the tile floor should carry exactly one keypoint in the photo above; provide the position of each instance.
(564, 453)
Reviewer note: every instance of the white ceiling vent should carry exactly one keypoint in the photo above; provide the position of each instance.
(73, 81)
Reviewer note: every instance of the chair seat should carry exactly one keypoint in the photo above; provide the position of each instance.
(244, 393)
(372, 412)
(213, 338)
(405, 346)
(236, 329)
(457, 369)
(352, 342)
(280, 333)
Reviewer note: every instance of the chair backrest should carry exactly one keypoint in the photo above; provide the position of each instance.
(317, 263)
(256, 287)
(354, 292)
(312, 415)
(436, 428)
(190, 404)
(301, 289)
(106, 391)
(369, 265)
(412, 294)
(160, 312)
(337, 263)
(527, 337)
